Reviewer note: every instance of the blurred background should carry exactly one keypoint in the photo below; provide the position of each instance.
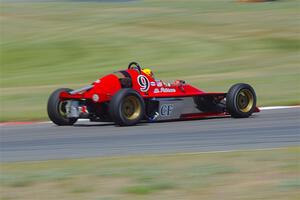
(212, 44)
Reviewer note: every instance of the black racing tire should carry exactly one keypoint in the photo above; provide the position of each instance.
(241, 100)
(56, 108)
(127, 107)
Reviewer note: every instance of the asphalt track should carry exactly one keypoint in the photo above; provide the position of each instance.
(267, 129)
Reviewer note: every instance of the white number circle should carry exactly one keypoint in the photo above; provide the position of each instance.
(143, 82)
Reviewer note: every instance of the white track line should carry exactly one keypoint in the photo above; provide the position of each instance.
(277, 107)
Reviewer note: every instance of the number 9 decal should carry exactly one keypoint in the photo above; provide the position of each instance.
(144, 83)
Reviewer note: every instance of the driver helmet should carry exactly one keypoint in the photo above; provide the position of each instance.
(148, 72)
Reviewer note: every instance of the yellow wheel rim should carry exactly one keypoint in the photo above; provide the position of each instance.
(131, 107)
(62, 108)
(245, 100)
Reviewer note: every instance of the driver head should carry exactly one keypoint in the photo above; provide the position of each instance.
(148, 72)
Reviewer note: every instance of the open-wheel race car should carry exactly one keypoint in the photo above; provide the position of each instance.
(133, 95)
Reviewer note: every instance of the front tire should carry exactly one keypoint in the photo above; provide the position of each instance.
(57, 109)
(127, 107)
(241, 100)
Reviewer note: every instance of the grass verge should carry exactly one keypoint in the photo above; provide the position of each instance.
(263, 174)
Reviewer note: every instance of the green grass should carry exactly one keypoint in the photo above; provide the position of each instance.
(212, 44)
(263, 174)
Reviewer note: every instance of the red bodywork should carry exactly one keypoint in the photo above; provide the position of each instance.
(147, 87)
(107, 86)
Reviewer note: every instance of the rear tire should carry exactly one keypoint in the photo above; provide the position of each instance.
(241, 100)
(127, 107)
(56, 109)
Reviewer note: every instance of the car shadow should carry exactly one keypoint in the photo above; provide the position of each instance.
(94, 124)
(147, 123)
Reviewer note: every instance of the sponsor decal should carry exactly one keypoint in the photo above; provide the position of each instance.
(95, 97)
(153, 84)
(167, 90)
(156, 90)
(159, 84)
(164, 90)
(166, 109)
(144, 83)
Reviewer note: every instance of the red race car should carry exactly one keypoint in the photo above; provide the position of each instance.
(130, 96)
